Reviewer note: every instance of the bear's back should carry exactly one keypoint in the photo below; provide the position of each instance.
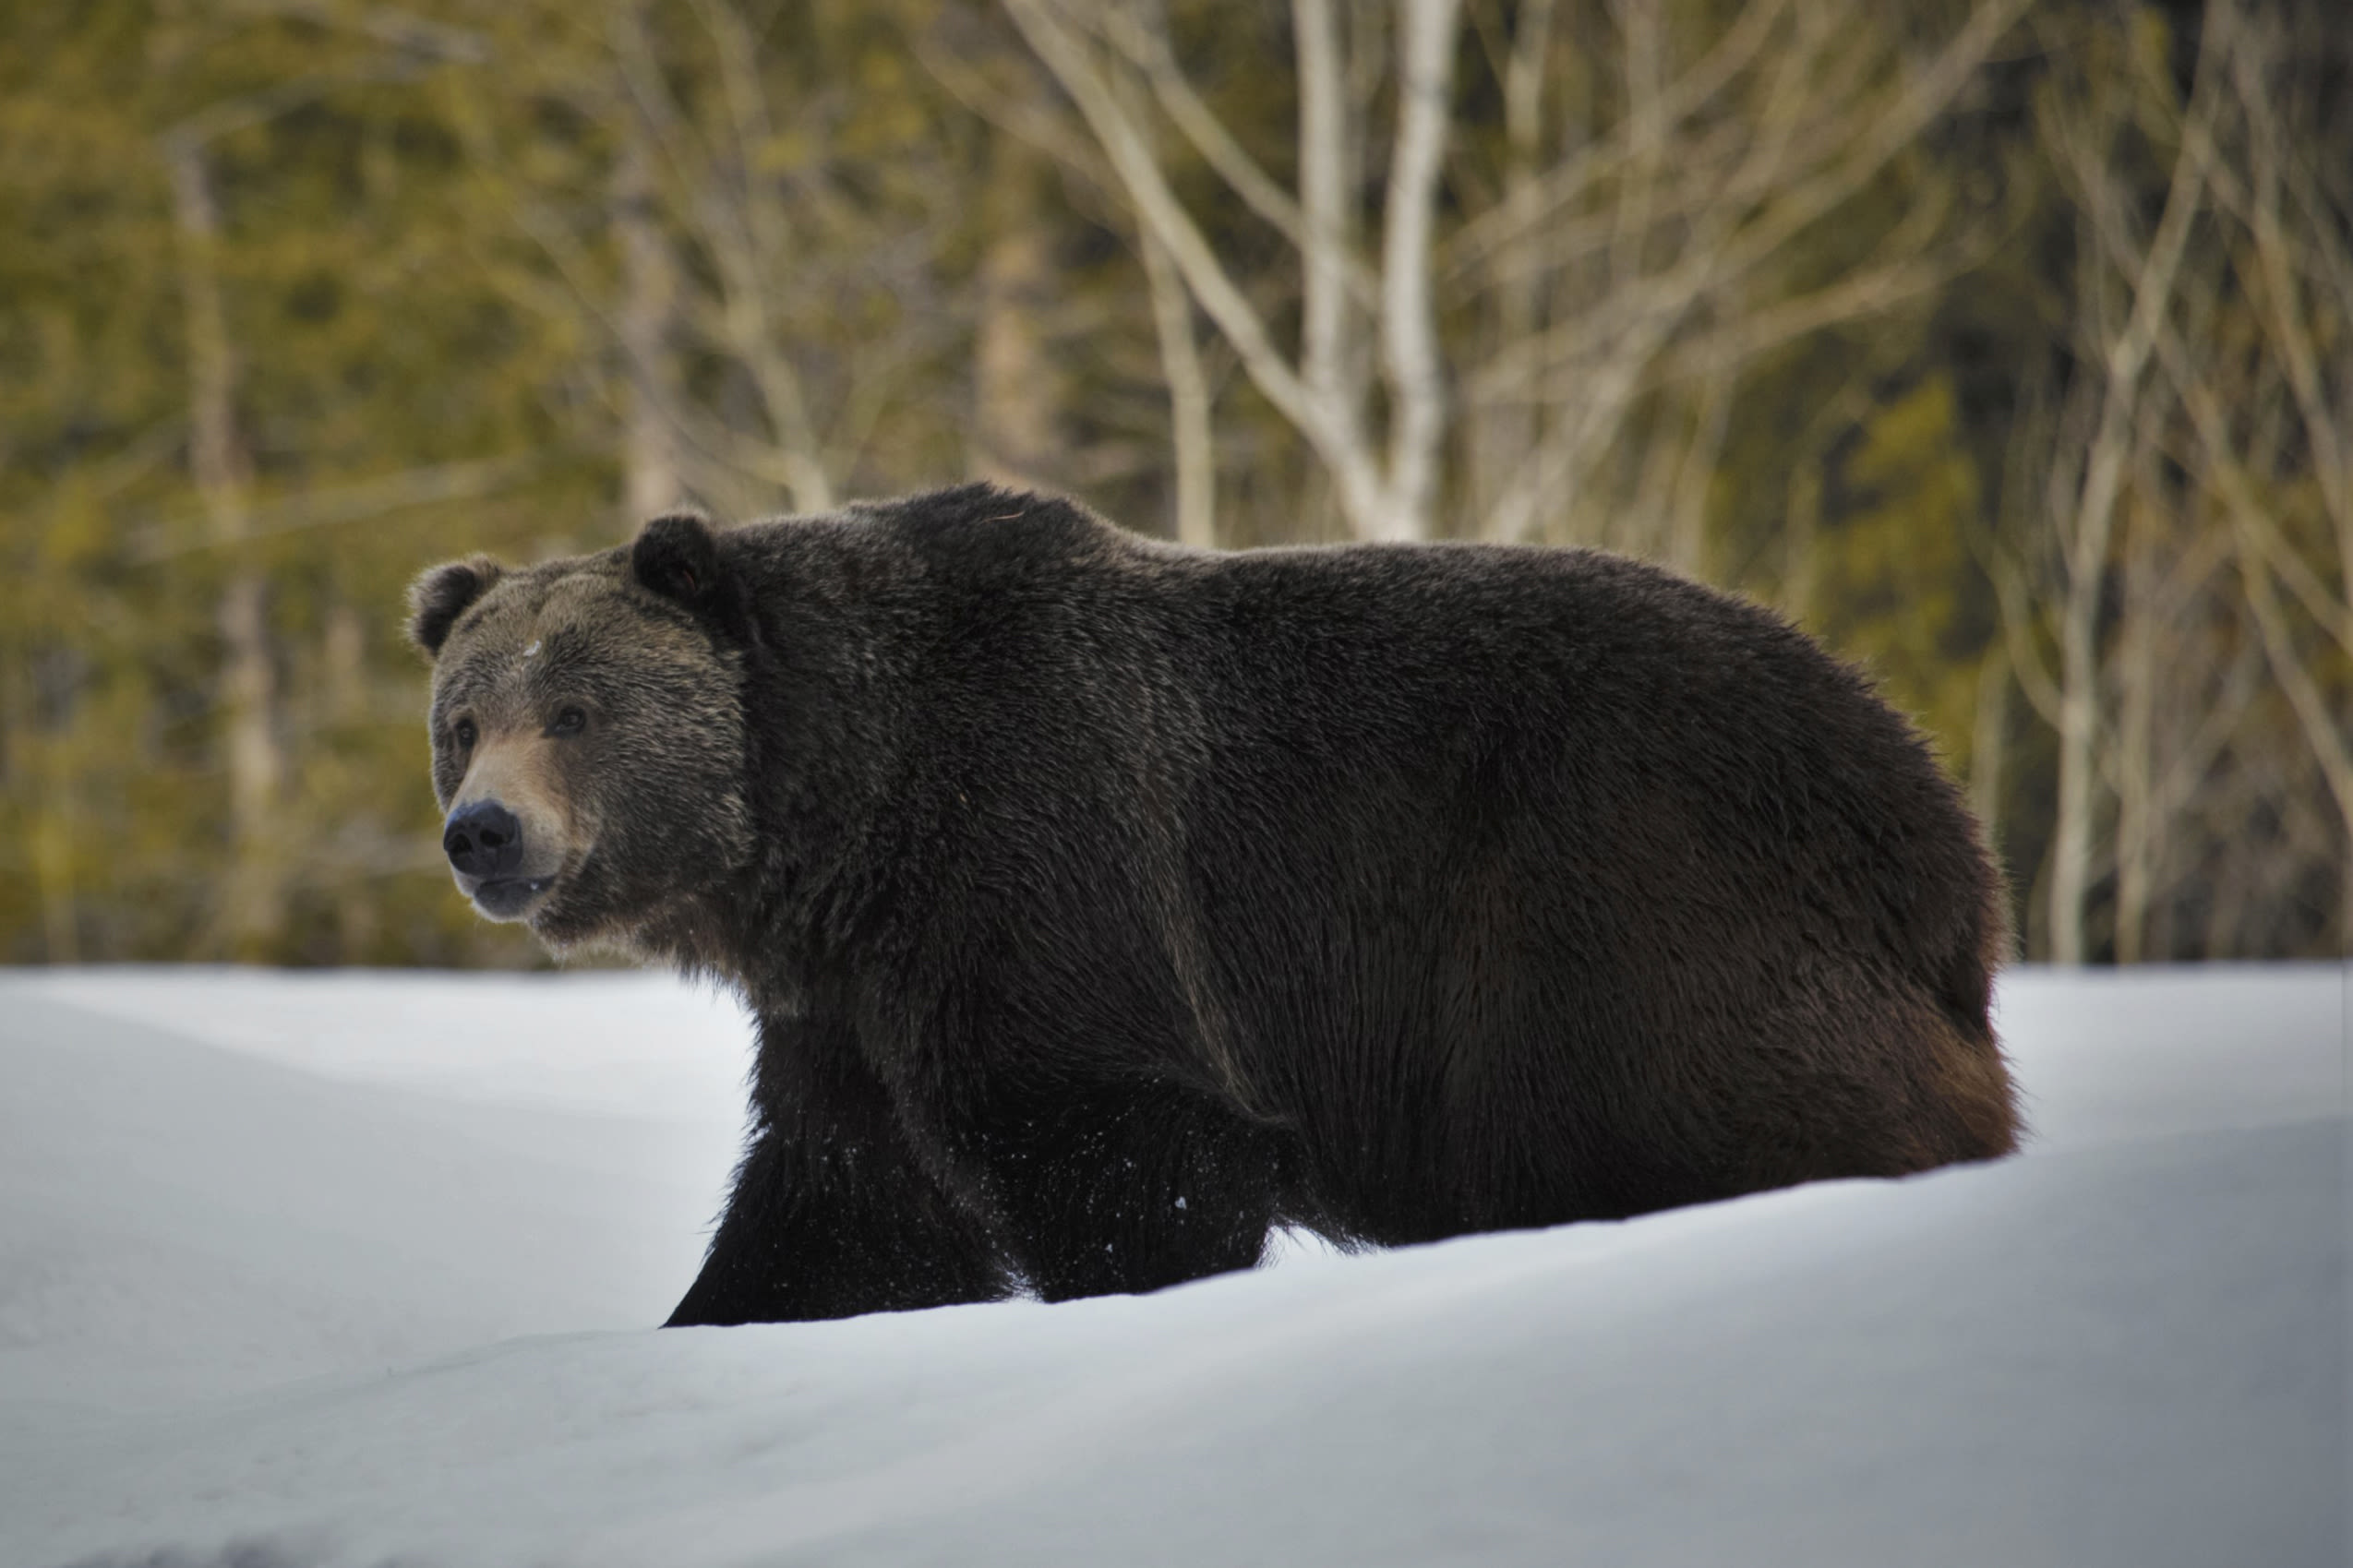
(1548, 668)
(1303, 707)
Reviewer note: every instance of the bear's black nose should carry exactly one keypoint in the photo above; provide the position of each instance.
(484, 841)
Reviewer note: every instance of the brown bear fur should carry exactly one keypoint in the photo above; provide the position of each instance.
(1102, 902)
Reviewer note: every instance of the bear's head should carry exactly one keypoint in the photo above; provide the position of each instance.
(588, 735)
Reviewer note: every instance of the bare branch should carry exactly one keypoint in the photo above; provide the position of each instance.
(363, 500)
(1157, 209)
(1147, 47)
(1563, 186)
(2321, 722)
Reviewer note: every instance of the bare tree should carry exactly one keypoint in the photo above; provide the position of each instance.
(646, 323)
(1387, 485)
(759, 318)
(1642, 252)
(1192, 435)
(2123, 306)
(1671, 243)
(2192, 535)
(253, 906)
(1016, 426)
(708, 160)
(2290, 199)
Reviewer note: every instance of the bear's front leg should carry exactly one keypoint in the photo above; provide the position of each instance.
(832, 1214)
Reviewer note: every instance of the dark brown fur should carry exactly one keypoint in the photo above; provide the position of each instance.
(1103, 903)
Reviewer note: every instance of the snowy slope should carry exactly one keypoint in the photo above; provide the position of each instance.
(356, 1269)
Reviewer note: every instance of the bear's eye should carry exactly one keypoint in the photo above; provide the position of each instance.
(462, 733)
(568, 721)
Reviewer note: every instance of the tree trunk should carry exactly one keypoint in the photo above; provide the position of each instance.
(1191, 432)
(649, 293)
(253, 911)
(2078, 716)
(1989, 744)
(1504, 430)
(2087, 525)
(1017, 388)
(1409, 360)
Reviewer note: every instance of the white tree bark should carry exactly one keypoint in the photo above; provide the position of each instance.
(1192, 430)
(2206, 434)
(1386, 488)
(2085, 519)
(1501, 435)
(1426, 31)
(1327, 233)
(1668, 237)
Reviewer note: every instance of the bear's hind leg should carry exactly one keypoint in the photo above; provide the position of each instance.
(1129, 1188)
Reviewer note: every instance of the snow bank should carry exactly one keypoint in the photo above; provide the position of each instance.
(356, 1269)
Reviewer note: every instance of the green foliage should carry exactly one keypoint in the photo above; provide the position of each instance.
(1897, 587)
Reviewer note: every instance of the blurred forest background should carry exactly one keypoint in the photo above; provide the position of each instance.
(2009, 347)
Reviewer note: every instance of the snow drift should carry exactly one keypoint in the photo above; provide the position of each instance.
(358, 1269)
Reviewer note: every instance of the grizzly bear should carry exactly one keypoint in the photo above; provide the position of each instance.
(1103, 903)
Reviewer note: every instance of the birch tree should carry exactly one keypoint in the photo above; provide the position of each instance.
(1385, 480)
(2187, 570)
(1644, 248)
(1674, 235)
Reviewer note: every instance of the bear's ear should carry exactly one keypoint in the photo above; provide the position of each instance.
(442, 595)
(677, 558)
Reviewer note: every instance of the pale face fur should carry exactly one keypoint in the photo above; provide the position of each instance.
(602, 717)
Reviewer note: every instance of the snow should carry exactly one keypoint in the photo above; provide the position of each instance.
(357, 1269)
